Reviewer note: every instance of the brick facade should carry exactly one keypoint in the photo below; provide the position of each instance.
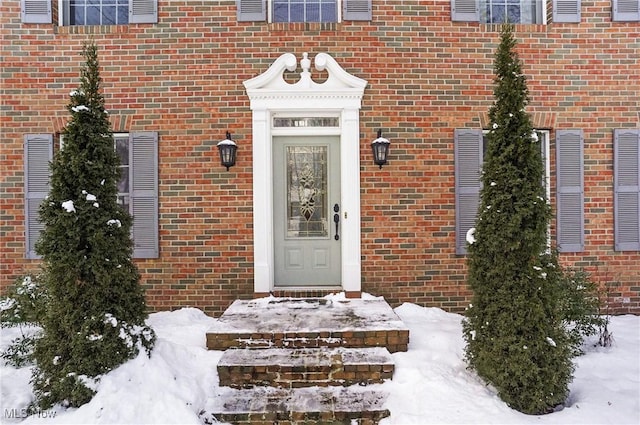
(427, 76)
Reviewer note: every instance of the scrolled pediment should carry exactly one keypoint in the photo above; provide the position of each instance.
(338, 85)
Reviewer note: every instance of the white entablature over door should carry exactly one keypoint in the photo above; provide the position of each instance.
(338, 100)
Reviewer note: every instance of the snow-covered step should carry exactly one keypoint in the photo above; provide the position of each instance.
(336, 405)
(308, 323)
(304, 367)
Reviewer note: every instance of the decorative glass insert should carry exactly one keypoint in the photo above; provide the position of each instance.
(305, 11)
(306, 194)
(306, 122)
(515, 11)
(95, 12)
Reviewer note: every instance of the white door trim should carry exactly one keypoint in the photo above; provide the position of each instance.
(340, 95)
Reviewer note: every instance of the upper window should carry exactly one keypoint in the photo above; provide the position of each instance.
(90, 12)
(95, 12)
(304, 10)
(515, 11)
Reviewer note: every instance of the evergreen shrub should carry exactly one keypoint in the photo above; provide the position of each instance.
(95, 313)
(514, 332)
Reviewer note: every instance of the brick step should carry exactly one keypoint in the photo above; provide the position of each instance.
(268, 405)
(308, 323)
(394, 341)
(304, 367)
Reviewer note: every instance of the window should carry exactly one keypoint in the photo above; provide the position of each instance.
(122, 145)
(104, 12)
(303, 10)
(137, 188)
(469, 150)
(90, 12)
(516, 11)
(95, 12)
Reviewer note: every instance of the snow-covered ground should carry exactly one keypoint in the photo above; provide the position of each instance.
(430, 385)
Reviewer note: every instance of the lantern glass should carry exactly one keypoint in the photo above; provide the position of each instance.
(228, 155)
(227, 149)
(380, 149)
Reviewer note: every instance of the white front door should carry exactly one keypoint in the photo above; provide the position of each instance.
(306, 202)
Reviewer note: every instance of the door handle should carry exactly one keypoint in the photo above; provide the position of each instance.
(336, 220)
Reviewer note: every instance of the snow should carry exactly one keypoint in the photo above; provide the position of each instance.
(68, 206)
(431, 383)
(226, 142)
(471, 235)
(334, 313)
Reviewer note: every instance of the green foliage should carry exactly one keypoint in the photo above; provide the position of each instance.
(580, 304)
(514, 329)
(20, 352)
(95, 312)
(25, 302)
(23, 307)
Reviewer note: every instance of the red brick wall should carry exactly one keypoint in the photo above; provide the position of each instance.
(427, 76)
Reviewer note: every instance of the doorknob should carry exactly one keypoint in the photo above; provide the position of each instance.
(336, 220)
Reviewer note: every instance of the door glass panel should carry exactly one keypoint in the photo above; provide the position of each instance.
(306, 192)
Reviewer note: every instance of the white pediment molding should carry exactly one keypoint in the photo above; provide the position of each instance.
(272, 85)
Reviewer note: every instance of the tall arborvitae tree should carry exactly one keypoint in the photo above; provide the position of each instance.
(95, 313)
(513, 328)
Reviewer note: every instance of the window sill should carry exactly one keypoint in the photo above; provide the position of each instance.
(92, 29)
(517, 27)
(304, 26)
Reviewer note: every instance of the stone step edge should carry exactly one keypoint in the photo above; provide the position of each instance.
(305, 367)
(394, 340)
(304, 405)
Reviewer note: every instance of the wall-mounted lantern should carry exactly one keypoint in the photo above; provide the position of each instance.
(227, 148)
(380, 148)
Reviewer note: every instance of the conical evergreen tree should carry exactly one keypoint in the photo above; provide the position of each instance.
(95, 315)
(513, 328)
